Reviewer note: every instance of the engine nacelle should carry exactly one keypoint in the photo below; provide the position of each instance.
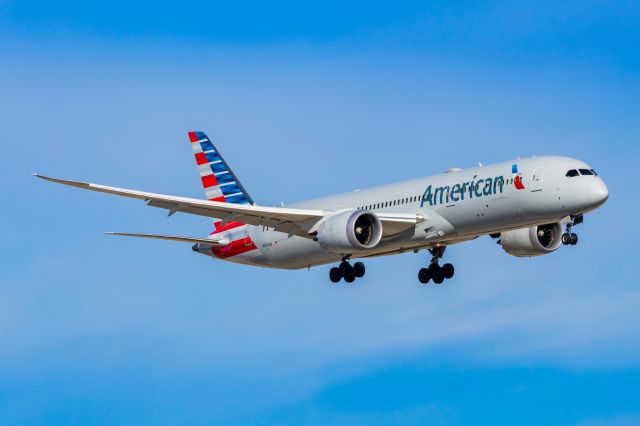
(349, 231)
(534, 241)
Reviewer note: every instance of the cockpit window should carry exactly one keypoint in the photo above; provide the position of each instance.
(586, 172)
(594, 172)
(572, 173)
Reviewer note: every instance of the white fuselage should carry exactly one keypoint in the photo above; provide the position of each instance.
(457, 206)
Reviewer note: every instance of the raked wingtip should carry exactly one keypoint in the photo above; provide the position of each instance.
(43, 177)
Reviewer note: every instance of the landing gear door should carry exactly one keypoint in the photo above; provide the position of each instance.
(537, 179)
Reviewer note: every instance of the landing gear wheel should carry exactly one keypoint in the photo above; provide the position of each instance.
(447, 271)
(343, 268)
(424, 276)
(334, 275)
(434, 271)
(349, 274)
(358, 269)
(438, 275)
(573, 240)
(570, 238)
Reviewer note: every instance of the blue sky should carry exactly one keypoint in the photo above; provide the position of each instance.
(306, 100)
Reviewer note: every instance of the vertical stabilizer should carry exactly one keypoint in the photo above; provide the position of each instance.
(218, 180)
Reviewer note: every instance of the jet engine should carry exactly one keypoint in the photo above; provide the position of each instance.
(348, 231)
(533, 241)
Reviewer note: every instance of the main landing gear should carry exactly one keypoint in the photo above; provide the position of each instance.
(569, 238)
(436, 272)
(346, 271)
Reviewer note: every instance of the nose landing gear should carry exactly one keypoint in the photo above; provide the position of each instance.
(570, 238)
(436, 272)
(346, 271)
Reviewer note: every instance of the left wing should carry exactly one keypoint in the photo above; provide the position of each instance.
(283, 219)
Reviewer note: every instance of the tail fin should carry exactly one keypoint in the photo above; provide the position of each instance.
(218, 180)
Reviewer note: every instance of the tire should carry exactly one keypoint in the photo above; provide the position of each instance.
(424, 276)
(448, 271)
(566, 238)
(349, 275)
(334, 275)
(343, 268)
(574, 239)
(438, 276)
(358, 269)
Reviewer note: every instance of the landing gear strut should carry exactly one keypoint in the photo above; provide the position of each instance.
(346, 271)
(569, 238)
(436, 272)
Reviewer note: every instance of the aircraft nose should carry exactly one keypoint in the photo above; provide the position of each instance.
(598, 192)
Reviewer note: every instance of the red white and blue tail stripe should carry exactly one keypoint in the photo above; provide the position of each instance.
(218, 180)
(221, 184)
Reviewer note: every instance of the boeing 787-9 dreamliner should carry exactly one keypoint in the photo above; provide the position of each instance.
(529, 205)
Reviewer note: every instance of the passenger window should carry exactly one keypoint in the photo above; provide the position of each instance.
(572, 173)
(586, 172)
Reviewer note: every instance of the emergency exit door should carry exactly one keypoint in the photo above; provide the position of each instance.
(537, 179)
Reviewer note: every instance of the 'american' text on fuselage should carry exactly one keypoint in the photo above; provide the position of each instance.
(457, 192)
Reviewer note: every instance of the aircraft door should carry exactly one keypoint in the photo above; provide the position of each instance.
(537, 179)
(247, 238)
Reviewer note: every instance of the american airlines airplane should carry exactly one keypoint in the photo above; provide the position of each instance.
(529, 205)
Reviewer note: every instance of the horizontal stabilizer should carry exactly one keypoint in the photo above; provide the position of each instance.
(204, 241)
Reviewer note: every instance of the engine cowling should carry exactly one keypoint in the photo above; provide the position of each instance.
(533, 241)
(349, 231)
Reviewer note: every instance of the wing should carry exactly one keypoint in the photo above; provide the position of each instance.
(283, 219)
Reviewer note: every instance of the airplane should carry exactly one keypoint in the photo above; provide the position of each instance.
(528, 205)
